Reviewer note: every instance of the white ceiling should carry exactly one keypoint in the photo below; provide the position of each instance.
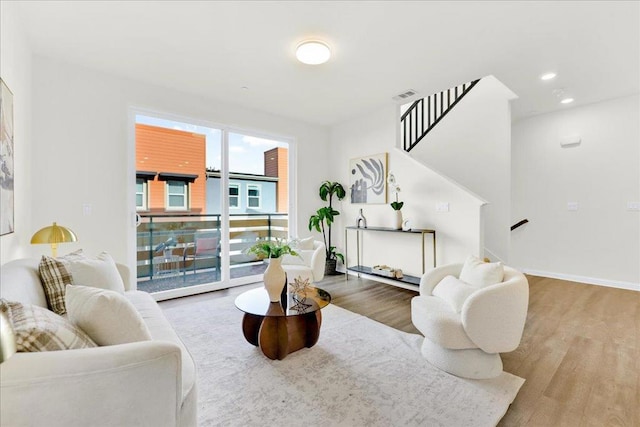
(379, 49)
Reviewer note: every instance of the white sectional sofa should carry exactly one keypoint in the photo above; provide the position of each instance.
(148, 383)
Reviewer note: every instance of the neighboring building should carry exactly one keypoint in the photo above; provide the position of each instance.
(170, 170)
(248, 193)
(276, 163)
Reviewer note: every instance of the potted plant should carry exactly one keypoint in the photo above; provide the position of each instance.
(323, 218)
(275, 278)
(397, 205)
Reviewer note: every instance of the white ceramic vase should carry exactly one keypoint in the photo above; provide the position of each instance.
(274, 279)
(396, 222)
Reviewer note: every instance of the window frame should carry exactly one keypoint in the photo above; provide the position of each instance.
(185, 206)
(259, 196)
(145, 195)
(237, 196)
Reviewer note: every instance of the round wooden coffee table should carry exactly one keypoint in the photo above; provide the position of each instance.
(280, 328)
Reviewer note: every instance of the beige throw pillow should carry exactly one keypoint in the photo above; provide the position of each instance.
(38, 329)
(99, 272)
(76, 268)
(479, 273)
(108, 317)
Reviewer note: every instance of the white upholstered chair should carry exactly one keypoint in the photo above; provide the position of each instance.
(465, 337)
(308, 265)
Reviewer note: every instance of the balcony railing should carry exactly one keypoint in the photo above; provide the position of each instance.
(155, 231)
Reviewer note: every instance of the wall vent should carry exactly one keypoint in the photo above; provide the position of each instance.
(404, 95)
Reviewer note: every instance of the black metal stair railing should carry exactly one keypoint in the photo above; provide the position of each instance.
(425, 113)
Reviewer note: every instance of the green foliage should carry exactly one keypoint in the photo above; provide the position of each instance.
(328, 189)
(271, 249)
(323, 218)
(397, 205)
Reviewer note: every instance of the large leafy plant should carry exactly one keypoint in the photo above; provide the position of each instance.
(323, 218)
(271, 249)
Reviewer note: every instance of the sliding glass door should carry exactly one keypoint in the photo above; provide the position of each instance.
(203, 195)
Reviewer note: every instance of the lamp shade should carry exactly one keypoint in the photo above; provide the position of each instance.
(53, 235)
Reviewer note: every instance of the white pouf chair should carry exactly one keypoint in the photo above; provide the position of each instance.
(310, 262)
(469, 315)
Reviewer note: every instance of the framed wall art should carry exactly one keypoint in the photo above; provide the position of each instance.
(368, 182)
(6, 160)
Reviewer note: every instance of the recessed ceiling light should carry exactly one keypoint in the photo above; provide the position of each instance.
(313, 52)
(548, 76)
(567, 101)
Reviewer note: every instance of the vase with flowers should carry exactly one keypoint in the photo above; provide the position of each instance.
(396, 222)
(275, 278)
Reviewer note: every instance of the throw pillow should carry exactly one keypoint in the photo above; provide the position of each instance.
(305, 244)
(76, 268)
(54, 276)
(454, 291)
(108, 317)
(99, 272)
(479, 273)
(38, 329)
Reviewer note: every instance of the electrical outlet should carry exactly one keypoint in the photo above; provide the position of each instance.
(633, 206)
(442, 207)
(572, 206)
(86, 209)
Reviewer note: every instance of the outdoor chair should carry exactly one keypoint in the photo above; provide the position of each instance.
(205, 247)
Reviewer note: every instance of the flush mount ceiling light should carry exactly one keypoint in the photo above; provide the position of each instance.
(567, 101)
(548, 76)
(313, 52)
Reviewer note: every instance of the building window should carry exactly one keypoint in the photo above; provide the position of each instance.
(234, 196)
(253, 196)
(177, 195)
(142, 194)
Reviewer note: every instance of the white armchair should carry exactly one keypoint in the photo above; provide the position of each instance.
(466, 340)
(309, 265)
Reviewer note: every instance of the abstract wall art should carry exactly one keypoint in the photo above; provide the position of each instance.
(368, 182)
(6, 160)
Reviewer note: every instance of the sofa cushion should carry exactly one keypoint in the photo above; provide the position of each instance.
(298, 271)
(38, 329)
(161, 329)
(438, 322)
(106, 316)
(454, 291)
(479, 273)
(77, 269)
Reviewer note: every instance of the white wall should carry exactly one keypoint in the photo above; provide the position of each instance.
(15, 70)
(83, 151)
(457, 231)
(600, 242)
(472, 146)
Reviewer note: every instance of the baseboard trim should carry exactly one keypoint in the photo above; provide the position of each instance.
(584, 279)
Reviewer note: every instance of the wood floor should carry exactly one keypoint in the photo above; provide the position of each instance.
(579, 355)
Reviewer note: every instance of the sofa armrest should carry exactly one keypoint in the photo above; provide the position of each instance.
(431, 278)
(128, 384)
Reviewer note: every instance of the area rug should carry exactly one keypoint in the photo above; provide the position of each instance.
(360, 373)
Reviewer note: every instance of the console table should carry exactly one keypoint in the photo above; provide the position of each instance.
(407, 279)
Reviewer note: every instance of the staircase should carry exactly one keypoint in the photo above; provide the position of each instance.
(424, 114)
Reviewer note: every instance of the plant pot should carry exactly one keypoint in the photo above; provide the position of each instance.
(274, 279)
(396, 220)
(330, 267)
